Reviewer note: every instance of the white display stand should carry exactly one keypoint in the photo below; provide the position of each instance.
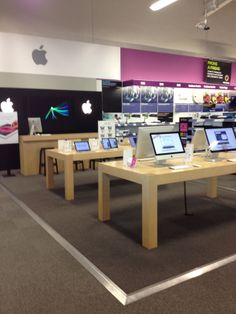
(106, 129)
(65, 146)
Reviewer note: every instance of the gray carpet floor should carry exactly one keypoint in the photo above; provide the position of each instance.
(114, 247)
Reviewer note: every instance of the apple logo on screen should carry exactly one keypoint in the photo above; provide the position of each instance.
(87, 107)
(6, 106)
(39, 56)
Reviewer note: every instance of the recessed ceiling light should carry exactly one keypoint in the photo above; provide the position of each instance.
(158, 5)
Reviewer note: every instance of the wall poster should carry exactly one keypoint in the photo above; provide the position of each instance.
(8, 128)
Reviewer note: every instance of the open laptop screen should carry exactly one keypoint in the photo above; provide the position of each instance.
(106, 143)
(82, 146)
(113, 142)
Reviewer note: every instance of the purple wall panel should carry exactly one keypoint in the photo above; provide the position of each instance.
(155, 66)
(233, 74)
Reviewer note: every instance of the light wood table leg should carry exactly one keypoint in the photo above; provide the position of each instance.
(103, 196)
(212, 187)
(69, 178)
(149, 214)
(49, 172)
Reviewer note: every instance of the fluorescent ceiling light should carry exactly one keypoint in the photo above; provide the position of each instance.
(158, 5)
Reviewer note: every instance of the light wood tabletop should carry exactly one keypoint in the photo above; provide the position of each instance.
(68, 159)
(150, 176)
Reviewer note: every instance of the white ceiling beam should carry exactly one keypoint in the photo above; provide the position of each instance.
(213, 6)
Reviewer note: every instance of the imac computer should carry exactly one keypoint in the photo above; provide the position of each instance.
(220, 140)
(35, 125)
(167, 145)
(199, 141)
(144, 148)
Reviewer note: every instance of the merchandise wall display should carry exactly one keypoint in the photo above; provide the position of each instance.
(174, 97)
(186, 129)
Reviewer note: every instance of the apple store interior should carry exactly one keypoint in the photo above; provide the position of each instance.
(118, 157)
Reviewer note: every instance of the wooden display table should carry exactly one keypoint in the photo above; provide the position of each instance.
(30, 146)
(68, 159)
(150, 176)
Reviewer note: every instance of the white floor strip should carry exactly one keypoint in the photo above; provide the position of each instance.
(116, 291)
(148, 291)
(226, 188)
(222, 187)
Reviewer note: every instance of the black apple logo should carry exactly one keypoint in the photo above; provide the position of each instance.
(38, 56)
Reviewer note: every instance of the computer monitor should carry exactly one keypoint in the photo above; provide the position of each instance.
(221, 139)
(82, 146)
(199, 140)
(167, 145)
(144, 148)
(109, 143)
(106, 143)
(35, 125)
(133, 141)
(113, 142)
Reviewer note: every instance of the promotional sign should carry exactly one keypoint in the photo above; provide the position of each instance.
(165, 99)
(148, 98)
(106, 129)
(8, 128)
(131, 99)
(217, 72)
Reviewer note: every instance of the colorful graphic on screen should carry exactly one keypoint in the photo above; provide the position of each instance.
(62, 109)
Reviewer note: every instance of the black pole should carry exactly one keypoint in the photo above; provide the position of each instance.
(185, 202)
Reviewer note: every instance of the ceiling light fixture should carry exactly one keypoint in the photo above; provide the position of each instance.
(158, 5)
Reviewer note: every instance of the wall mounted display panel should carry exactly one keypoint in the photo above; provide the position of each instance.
(60, 111)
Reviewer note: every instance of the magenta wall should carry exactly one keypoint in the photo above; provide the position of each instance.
(155, 66)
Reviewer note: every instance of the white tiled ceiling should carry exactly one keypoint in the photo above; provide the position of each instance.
(126, 23)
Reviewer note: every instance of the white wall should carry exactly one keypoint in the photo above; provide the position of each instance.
(65, 58)
(39, 81)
